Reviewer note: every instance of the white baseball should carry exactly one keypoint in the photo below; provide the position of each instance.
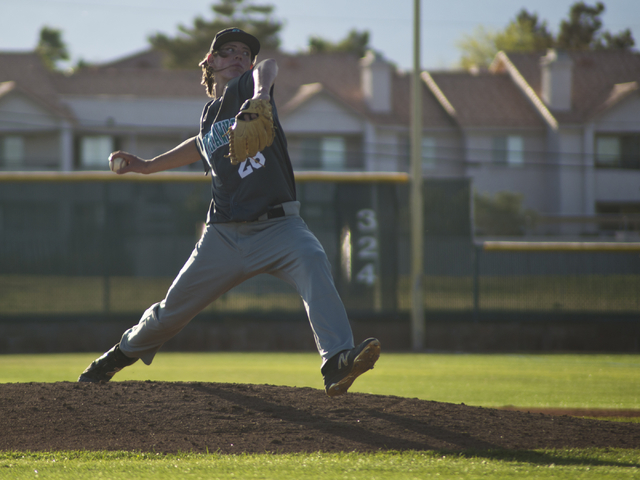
(117, 163)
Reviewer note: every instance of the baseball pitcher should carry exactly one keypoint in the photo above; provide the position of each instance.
(253, 224)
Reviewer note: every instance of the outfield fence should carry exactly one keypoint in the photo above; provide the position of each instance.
(96, 246)
(101, 244)
(97, 243)
(579, 279)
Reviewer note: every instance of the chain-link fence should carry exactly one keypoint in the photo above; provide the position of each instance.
(83, 245)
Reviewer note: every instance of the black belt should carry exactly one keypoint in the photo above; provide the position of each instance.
(272, 212)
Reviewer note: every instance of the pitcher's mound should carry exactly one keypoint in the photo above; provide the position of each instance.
(233, 418)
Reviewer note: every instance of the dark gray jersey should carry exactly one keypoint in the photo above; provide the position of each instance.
(242, 192)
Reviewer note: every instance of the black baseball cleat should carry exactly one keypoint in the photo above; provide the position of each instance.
(104, 368)
(342, 369)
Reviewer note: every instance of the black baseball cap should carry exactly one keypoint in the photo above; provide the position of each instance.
(236, 35)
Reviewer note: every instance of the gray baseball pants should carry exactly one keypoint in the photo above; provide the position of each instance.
(231, 253)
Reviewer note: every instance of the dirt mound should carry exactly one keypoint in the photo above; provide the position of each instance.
(233, 418)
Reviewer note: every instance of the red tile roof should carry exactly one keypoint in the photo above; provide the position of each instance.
(486, 100)
(28, 75)
(137, 82)
(595, 76)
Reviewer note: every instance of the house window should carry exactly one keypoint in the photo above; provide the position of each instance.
(333, 154)
(508, 149)
(608, 151)
(95, 151)
(515, 150)
(428, 152)
(323, 153)
(618, 151)
(12, 151)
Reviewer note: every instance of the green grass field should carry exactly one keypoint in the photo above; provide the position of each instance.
(49, 294)
(568, 381)
(576, 381)
(543, 464)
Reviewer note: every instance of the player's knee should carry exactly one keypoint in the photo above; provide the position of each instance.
(315, 261)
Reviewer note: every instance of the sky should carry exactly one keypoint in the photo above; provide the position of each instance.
(99, 31)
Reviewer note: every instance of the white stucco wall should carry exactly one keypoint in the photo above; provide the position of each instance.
(530, 179)
(572, 163)
(617, 185)
(624, 117)
(384, 152)
(18, 113)
(478, 146)
(43, 149)
(449, 153)
(136, 112)
(322, 115)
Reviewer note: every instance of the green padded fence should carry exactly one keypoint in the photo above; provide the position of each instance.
(96, 244)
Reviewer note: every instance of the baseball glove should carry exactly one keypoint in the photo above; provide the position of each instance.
(248, 137)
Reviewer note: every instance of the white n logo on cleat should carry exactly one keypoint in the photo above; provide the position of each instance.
(343, 360)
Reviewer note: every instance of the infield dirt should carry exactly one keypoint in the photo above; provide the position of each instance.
(234, 418)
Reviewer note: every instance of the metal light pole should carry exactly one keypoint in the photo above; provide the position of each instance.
(417, 223)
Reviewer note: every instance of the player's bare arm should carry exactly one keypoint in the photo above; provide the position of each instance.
(184, 154)
(264, 75)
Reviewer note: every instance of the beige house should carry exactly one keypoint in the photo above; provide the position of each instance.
(590, 153)
(562, 129)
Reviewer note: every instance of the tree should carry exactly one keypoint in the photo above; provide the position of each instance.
(578, 32)
(477, 49)
(355, 42)
(501, 214)
(523, 34)
(51, 48)
(189, 47)
(622, 41)
(581, 31)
